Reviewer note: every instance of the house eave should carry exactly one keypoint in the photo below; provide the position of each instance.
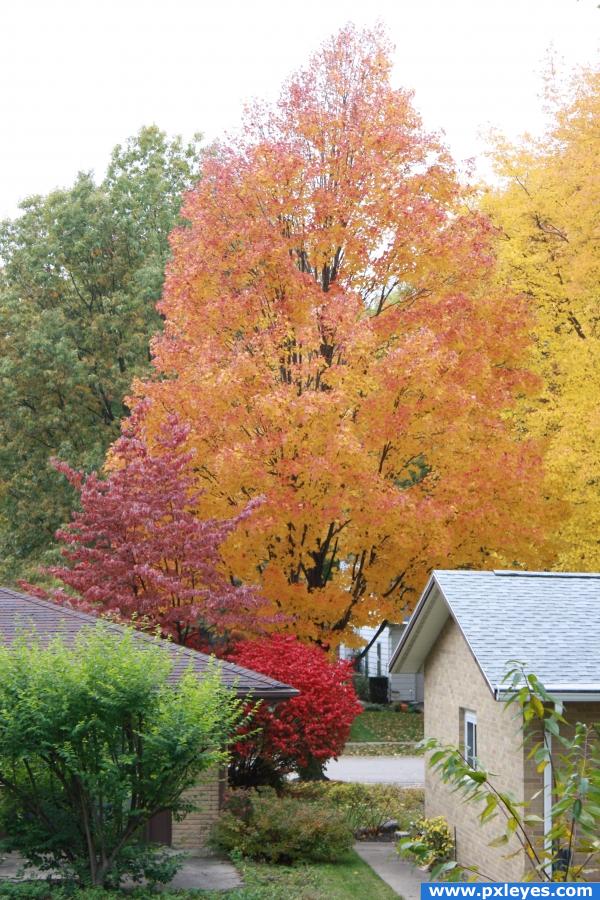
(274, 696)
(567, 693)
(412, 629)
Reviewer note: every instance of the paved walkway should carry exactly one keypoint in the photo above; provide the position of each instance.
(401, 875)
(208, 873)
(408, 771)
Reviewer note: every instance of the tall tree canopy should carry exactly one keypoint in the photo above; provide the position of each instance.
(548, 219)
(335, 343)
(81, 272)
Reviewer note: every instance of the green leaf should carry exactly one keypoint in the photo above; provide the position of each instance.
(499, 841)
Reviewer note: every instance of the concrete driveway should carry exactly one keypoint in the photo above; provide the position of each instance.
(408, 771)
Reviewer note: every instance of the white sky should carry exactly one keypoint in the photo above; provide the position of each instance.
(79, 76)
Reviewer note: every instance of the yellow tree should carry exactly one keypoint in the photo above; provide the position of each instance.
(548, 216)
(334, 343)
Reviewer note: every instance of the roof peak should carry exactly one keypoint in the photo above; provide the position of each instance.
(549, 620)
(519, 573)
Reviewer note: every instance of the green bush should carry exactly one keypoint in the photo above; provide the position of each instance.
(260, 825)
(366, 807)
(94, 741)
(42, 890)
(361, 686)
(29, 890)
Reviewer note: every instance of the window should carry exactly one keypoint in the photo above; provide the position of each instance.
(379, 659)
(470, 739)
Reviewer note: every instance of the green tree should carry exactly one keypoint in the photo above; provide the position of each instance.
(94, 741)
(82, 271)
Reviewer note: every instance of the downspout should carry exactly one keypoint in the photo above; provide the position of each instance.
(548, 804)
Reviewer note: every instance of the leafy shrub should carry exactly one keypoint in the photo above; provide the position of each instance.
(145, 862)
(300, 734)
(260, 825)
(29, 890)
(43, 890)
(361, 686)
(365, 806)
(430, 842)
(94, 741)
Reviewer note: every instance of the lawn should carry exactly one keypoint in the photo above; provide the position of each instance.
(345, 880)
(372, 726)
(349, 879)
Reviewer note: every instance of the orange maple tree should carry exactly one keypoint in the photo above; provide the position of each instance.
(335, 343)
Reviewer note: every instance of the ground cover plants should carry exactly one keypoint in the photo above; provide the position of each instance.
(387, 724)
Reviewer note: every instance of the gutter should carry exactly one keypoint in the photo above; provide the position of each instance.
(276, 694)
(568, 694)
(411, 623)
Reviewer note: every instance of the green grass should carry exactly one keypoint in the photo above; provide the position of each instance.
(346, 880)
(387, 725)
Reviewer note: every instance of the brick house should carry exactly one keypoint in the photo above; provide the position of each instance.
(463, 633)
(20, 612)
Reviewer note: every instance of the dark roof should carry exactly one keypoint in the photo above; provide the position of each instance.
(19, 612)
(548, 620)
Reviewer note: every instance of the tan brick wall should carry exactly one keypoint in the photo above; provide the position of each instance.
(589, 714)
(453, 682)
(192, 832)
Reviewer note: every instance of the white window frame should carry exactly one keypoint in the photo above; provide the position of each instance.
(470, 718)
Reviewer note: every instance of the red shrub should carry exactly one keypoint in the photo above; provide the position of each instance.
(302, 733)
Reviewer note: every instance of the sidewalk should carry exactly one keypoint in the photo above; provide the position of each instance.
(408, 771)
(400, 874)
(207, 873)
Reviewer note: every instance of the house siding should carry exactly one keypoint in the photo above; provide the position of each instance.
(453, 682)
(376, 661)
(588, 714)
(191, 833)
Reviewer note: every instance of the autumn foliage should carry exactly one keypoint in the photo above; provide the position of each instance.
(302, 733)
(334, 342)
(138, 549)
(548, 245)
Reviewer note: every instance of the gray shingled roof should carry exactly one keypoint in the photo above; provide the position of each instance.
(548, 620)
(20, 612)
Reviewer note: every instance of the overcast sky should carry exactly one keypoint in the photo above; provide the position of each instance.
(79, 76)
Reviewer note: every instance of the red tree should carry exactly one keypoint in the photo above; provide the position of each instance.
(139, 549)
(300, 734)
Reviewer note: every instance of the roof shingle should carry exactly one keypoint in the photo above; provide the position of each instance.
(548, 620)
(19, 612)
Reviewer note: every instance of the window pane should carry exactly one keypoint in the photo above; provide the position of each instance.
(471, 741)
